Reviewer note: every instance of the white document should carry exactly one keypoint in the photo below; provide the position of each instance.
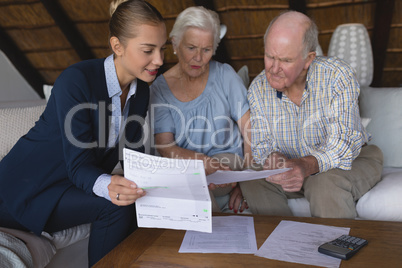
(230, 234)
(177, 195)
(228, 176)
(298, 242)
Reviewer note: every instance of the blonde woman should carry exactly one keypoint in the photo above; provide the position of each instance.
(58, 175)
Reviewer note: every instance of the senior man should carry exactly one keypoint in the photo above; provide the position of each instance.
(305, 116)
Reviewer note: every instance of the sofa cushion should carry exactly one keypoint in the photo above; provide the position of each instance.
(383, 202)
(300, 207)
(383, 107)
(69, 236)
(41, 249)
(15, 122)
(47, 90)
(14, 252)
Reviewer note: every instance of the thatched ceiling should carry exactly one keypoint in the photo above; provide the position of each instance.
(43, 37)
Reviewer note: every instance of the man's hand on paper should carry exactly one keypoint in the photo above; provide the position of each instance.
(291, 180)
(124, 192)
(275, 160)
(236, 201)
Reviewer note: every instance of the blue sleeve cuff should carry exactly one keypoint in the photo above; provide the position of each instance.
(101, 184)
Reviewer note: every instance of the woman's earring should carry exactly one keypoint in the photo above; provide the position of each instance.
(174, 52)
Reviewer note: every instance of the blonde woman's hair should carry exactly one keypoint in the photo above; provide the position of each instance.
(197, 17)
(114, 5)
(127, 15)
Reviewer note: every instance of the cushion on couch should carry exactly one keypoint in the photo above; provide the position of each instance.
(41, 249)
(65, 238)
(15, 122)
(383, 107)
(383, 202)
(14, 252)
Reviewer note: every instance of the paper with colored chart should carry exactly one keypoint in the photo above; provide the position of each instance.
(177, 195)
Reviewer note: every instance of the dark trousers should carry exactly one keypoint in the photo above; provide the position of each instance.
(110, 224)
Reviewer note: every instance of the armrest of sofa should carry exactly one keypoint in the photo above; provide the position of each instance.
(21, 104)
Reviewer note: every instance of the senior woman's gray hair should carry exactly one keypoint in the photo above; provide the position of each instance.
(198, 17)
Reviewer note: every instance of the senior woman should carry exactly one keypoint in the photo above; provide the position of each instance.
(199, 107)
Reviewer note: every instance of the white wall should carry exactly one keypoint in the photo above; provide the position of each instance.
(13, 86)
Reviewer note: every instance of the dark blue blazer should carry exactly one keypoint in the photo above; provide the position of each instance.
(67, 146)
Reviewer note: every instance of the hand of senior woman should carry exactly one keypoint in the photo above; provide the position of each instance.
(124, 192)
(211, 166)
(237, 201)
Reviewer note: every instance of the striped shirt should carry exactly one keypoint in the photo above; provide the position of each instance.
(326, 125)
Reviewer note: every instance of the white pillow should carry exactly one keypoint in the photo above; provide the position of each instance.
(243, 73)
(384, 201)
(383, 107)
(300, 207)
(15, 122)
(47, 90)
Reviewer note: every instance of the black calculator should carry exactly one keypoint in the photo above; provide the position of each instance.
(343, 247)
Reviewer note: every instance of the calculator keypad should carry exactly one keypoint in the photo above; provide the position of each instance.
(343, 247)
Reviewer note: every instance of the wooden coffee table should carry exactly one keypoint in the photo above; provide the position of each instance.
(159, 247)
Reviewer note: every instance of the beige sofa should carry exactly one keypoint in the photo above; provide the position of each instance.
(68, 248)
(381, 111)
(380, 107)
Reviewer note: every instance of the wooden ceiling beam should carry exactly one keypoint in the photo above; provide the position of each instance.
(298, 5)
(69, 30)
(208, 4)
(379, 42)
(21, 63)
(221, 54)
